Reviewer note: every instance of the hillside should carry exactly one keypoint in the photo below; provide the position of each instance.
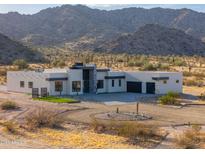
(156, 40)
(11, 50)
(72, 23)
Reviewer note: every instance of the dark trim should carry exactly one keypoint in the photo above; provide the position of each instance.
(74, 67)
(103, 70)
(115, 77)
(160, 78)
(55, 79)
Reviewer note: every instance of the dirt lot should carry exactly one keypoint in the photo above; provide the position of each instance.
(82, 113)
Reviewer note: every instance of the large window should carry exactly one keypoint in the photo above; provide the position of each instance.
(30, 84)
(21, 84)
(59, 86)
(100, 84)
(113, 83)
(120, 83)
(76, 86)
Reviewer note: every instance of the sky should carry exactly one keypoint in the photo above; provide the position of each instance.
(34, 8)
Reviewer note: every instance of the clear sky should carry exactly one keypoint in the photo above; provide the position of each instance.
(34, 8)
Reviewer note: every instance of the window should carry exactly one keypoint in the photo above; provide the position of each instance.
(100, 84)
(58, 85)
(76, 86)
(113, 83)
(164, 81)
(177, 81)
(30, 84)
(21, 84)
(120, 83)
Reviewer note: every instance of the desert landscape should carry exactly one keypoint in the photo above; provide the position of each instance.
(86, 125)
(129, 39)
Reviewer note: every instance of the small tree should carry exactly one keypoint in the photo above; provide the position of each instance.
(21, 63)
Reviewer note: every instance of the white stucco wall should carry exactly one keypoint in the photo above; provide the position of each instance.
(160, 87)
(75, 75)
(51, 89)
(101, 76)
(39, 81)
(116, 87)
(14, 78)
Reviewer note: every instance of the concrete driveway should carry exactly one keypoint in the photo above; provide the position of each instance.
(117, 98)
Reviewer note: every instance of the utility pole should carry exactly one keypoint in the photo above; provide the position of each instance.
(137, 108)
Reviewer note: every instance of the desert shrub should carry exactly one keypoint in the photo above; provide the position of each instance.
(58, 63)
(44, 118)
(133, 131)
(21, 63)
(179, 62)
(189, 139)
(3, 72)
(9, 105)
(186, 73)
(136, 130)
(10, 127)
(202, 96)
(169, 99)
(173, 94)
(97, 125)
(148, 67)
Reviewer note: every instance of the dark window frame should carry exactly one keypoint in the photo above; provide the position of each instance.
(100, 84)
(120, 83)
(76, 86)
(30, 84)
(113, 83)
(58, 86)
(22, 84)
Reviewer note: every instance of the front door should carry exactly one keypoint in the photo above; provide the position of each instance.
(150, 87)
(86, 86)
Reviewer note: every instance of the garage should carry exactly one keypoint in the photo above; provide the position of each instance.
(135, 87)
(150, 88)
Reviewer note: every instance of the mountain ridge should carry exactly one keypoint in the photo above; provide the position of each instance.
(155, 40)
(67, 23)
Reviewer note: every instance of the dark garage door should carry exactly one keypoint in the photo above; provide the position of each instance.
(135, 87)
(150, 86)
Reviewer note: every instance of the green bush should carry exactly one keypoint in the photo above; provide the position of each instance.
(148, 67)
(9, 105)
(173, 94)
(169, 99)
(21, 63)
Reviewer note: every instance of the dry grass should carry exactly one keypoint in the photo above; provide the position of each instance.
(79, 139)
(136, 133)
(11, 127)
(189, 139)
(44, 118)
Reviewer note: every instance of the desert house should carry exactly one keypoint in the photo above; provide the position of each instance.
(86, 78)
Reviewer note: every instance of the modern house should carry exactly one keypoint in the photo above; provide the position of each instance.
(86, 78)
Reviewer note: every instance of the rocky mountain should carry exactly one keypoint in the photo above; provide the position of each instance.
(71, 23)
(11, 50)
(156, 40)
